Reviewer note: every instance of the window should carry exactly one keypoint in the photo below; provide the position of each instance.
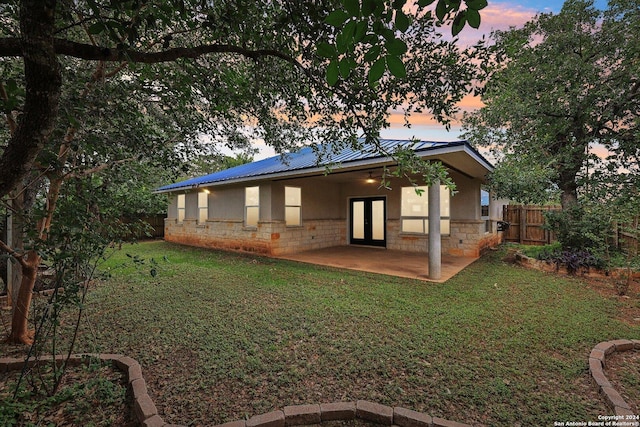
(251, 206)
(415, 210)
(203, 206)
(292, 206)
(181, 208)
(484, 208)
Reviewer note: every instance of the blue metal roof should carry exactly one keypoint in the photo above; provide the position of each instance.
(307, 159)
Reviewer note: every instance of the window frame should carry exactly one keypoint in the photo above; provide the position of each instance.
(486, 218)
(288, 205)
(248, 207)
(423, 218)
(203, 194)
(181, 208)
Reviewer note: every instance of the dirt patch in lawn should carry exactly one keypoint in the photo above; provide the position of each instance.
(628, 304)
(623, 371)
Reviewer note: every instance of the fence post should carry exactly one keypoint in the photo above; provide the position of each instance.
(523, 223)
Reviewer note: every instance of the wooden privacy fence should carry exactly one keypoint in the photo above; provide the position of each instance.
(526, 224)
(157, 226)
(526, 227)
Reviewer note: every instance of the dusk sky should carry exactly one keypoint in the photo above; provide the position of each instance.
(498, 15)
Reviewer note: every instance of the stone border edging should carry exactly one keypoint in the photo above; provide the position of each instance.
(143, 407)
(146, 412)
(597, 363)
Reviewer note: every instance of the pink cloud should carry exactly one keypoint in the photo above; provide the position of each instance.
(500, 16)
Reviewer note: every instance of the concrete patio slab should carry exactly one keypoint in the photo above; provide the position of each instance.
(383, 261)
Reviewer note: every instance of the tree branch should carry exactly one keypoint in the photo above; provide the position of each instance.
(18, 257)
(10, 47)
(97, 169)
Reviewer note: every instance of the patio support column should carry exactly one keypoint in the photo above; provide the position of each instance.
(435, 241)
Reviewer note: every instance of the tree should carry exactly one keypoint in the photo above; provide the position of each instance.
(245, 38)
(114, 137)
(556, 88)
(233, 70)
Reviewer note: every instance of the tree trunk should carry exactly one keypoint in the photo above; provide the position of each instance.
(43, 84)
(568, 187)
(20, 333)
(17, 206)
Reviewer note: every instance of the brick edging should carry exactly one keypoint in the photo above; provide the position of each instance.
(146, 412)
(597, 363)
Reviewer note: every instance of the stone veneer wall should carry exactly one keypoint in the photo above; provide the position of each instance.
(269, 238)
(467, 238)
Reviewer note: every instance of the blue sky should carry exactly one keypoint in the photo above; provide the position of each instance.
(541, 5)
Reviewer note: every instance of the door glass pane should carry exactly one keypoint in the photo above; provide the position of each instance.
(358, 220)
(377, 218)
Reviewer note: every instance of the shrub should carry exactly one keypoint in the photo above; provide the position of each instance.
(581, 230)
(573, 260)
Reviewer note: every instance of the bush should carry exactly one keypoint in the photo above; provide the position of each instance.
(573, 260)
(580, 229)
(583, 236)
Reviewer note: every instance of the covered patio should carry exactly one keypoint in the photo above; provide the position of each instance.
(411, 265)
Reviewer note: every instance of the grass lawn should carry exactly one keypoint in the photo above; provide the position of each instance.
(224, 336)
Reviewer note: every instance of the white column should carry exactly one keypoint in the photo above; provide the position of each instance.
(435, 241)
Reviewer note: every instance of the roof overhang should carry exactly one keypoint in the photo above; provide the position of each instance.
(458, 156)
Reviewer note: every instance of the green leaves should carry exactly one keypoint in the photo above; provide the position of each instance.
(352, 7)
(325, 50)
(376, 71)
(396, 66)
(333, 73)
(473, 18)
(396, 47)
(369, 33)
(337, 18)
(377, 39)
(14, 95)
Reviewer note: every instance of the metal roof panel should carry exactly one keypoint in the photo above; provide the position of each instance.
(306, 159)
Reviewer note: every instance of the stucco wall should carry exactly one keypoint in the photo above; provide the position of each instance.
(465, 203)
(325, 217)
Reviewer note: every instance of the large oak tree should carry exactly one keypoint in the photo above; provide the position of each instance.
(558, 87)
(287, 72)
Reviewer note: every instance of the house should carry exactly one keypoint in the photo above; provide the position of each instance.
(289, 204)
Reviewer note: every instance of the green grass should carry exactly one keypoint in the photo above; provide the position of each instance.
(223, 336)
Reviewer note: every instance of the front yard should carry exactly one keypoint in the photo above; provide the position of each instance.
(222, 336)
